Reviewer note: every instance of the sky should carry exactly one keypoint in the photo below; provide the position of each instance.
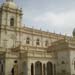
(49, 15)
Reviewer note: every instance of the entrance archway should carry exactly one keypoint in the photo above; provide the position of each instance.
(38, 68)
(32, 69)
(49, 68)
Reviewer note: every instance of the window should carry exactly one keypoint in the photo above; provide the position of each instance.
(63, 62)
(12, 22)
(37, 42)
(28, 40)
(63, 71)
(46, 43)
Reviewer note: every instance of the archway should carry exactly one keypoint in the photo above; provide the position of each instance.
(32, 69)
(49, 68)
(43, 69)
(38, 68)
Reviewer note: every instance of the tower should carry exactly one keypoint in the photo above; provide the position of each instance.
(10, 20)
(10, 14)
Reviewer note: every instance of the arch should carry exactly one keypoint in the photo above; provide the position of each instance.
(11, 21)
(32, 69)
(49, 68)
(43, 69)
(38, 68)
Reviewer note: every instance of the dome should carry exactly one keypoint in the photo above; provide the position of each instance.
(74, 32)
(10, 4)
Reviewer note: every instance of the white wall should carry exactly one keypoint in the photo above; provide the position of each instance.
(63, 56)
(72, 59)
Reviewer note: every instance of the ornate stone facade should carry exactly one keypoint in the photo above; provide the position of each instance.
(28, 51)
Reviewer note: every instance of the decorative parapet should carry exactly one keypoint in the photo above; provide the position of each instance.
(31, 52)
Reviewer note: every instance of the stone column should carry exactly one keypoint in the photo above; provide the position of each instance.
(34, 68)
(45, 69)
(53, 69)
(29, 68)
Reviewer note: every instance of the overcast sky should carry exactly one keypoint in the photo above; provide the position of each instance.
(49, 15)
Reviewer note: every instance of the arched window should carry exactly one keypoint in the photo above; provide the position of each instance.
(46, 43)
(63, 62)
(37, 42)
(12, 22)
(28, 40)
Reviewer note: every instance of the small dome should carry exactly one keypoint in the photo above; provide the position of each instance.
(74, 32)
(10, 4)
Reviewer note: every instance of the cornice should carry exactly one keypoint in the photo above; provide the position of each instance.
(7, 9)
(32, 32)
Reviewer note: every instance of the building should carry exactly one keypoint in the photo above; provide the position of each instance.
(28, 51)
